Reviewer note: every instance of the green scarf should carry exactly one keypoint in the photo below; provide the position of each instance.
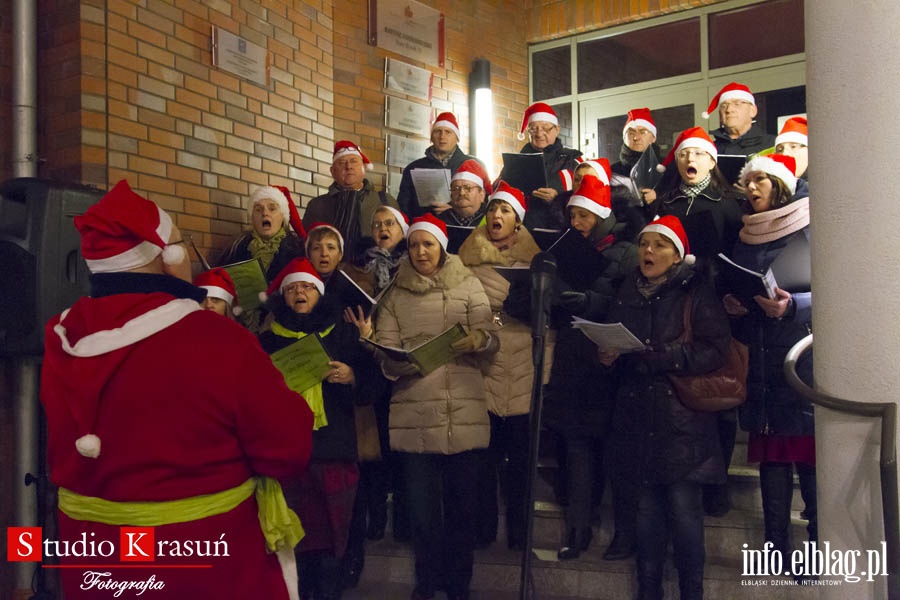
(265, 250)
(313, 395)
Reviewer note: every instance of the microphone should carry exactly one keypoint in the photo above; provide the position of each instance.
(543, 272)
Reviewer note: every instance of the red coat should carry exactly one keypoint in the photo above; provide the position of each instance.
(185, 403)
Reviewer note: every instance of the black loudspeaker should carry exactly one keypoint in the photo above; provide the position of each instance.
(41, 269)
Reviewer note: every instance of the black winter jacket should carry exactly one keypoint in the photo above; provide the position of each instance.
(337, 440)
(656, 440)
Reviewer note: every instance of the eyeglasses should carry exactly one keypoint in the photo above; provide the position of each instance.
(300, 286)
(387, 224)
(689, 153)
(456, 190)
(546, 129)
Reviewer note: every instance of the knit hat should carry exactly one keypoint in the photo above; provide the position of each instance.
(430, 223)
(794, 130)
(282, 196)
(448, 120)
(601, 167)
(320, 225)
(593, 195)
(732, 91)
(471, 170)
(299, 269)
(399, 216)
(125, 231)
(695, 137)
(512, 196)
(639, 117)
(670, 227)
(537, 112)
(347, 147)
(775, 165)
(218, 284)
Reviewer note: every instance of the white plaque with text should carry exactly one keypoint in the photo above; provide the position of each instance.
(239, 56)
(408, 28)
(402, 77)
(407, 116)
(400, 151)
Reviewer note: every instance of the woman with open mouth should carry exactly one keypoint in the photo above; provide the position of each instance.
(780, 420)
(663, 448)
(323, 495)
(502, 241)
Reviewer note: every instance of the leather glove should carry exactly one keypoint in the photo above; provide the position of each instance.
(393, 369)
(574, 302)
(474, 341)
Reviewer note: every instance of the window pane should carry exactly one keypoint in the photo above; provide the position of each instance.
(642, 55)
(777, 103)
(551, 73)
(756, 32)
(669, 121)
(566, 134)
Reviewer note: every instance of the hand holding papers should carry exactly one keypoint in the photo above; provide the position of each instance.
(432, 185)
(428, 355)
(304, 363)
(249, 281)
(609, 337)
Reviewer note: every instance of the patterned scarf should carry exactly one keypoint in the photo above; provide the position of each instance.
(770, 225)
(313, 396)
(380, 262)
(265, 250)
(693, 190)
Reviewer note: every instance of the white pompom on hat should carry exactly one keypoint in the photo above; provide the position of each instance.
(671, 228)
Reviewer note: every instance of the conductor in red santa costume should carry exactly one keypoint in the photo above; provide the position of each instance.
(165, 416)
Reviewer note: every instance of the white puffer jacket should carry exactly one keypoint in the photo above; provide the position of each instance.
(445, 411)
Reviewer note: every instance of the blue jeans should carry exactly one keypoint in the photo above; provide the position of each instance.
(676, 510)
(441, 492)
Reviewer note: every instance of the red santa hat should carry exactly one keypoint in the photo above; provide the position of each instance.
(430, 223)
(320, 225)
(775, 165)
(344, 147)
(793, 130)
(670, 227)
(601, 167)
(512, 196)
(537, 112)
(282, 196)
(695, 137)
(402, 219)
(732, 91)
(471, 170)
(448, 120)
(592, 195)
(639, 117)
(218, 284)
(299, 269)
(124, 231)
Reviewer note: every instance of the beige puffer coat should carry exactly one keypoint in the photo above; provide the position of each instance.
(509, 375)
(445, 411)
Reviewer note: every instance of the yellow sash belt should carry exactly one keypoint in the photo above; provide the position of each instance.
(280, 525)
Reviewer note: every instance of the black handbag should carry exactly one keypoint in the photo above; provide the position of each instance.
(724, 388)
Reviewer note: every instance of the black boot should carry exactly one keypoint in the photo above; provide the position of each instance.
(776, 482)
(330, 579)
(807, 475)
(577, 542)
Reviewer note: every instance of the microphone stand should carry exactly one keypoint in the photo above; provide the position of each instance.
(543, 270)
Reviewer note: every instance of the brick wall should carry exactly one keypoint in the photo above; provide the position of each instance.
(550, 19)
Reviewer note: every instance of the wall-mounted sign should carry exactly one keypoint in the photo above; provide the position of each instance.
(400, 151)
(407, 116)
(408, 28)
(402, 77)
(239, 56)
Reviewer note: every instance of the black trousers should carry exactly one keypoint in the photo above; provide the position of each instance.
(505, 463)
